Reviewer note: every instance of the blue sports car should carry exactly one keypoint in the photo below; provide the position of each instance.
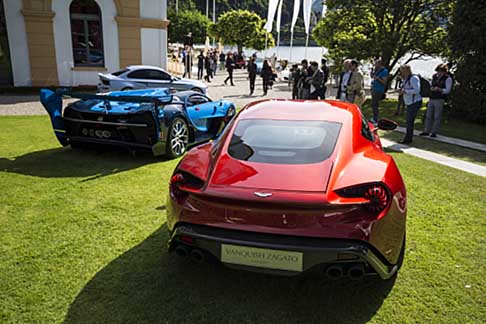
(154, 119)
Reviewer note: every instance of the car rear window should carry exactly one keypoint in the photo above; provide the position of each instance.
(118, 73)
(283, 141)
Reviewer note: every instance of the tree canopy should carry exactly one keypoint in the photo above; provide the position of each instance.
(467, 48)
(188, 21)
(242, 28)
(365, 29)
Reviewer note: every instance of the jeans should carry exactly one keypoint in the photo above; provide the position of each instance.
(375, 102)
(200, 70)
(412, 111)
(433, 115)
(230, 76)
(252, 83)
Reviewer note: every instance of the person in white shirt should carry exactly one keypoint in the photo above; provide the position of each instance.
(440, 89)
(412, 99)
(344, 81)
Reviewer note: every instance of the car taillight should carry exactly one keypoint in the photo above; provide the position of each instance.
(377, 194)
(182, 182)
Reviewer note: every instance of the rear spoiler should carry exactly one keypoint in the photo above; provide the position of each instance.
(163, 100)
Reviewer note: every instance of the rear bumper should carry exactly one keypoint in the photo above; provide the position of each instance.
(317, 252)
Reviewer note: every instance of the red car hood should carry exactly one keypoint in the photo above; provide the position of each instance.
(232, 173)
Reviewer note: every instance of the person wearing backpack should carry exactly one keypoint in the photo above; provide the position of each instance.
(439, 90)
(411, 98)
(378, 88)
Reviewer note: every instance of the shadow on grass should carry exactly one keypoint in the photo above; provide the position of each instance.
(68, 162)
(144, 285)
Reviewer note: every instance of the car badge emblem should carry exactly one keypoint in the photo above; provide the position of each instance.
(263, 194)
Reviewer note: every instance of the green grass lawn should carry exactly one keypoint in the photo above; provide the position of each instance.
(83, 240)
(449, 126)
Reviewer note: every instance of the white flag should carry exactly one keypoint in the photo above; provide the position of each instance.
(296, 14)
(279, 15)
(307, 14)
(272, 8)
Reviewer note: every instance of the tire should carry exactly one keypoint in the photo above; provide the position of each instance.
(178, 138)
(197, 90)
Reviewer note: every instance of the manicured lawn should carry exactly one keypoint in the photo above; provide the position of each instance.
(449, 126)
(83, 240)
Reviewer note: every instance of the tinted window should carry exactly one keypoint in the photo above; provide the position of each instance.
(149, 75)
(283, 141)
(197, 100)
(118, 73)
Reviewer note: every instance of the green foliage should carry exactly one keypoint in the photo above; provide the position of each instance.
(188, 21)
(242, 28)
(365, 29)
(467, 48)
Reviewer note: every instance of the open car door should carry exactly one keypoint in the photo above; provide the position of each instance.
(200, 110)
(52, 102)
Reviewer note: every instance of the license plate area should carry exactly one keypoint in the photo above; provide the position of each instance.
(262, 258)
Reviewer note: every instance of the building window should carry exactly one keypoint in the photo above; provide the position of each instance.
(86, 33)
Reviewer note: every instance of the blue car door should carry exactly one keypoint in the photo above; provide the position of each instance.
(200, 109)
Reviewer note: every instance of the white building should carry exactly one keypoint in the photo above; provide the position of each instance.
(68, 42)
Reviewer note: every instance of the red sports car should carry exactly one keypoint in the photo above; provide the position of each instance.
(291, 186)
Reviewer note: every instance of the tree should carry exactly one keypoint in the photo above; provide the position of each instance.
(390, 29)
(188, 21)
(467, 48)
(241, 28)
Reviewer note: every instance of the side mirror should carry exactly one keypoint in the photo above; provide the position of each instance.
(387, 124)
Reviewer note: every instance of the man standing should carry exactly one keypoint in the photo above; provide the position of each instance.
(230, 65)
(222, 60)
(295, 74)
(303, 85)
(252, 73)
(378, 87)
(411, 98)
(344, 80)
(325, 71)
(200, 65)
(440, 89)
(315, 81)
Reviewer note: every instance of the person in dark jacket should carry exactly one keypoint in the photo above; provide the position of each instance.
(252, 73)
(266, 74)
(315, 81)
(304, 87)
(294, 77)
(230, 65)
(325, 71)
(344, 79)
(440, 89)
(200, 65)
(207, 66)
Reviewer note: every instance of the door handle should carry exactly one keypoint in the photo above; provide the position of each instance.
(214, 110)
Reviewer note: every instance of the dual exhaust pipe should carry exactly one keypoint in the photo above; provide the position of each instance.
(354, 272)
(195, 255)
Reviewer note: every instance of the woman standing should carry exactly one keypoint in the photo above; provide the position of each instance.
(266, 75)
(411, 98)
(355, 88)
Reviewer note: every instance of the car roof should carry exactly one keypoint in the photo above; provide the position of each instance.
(283, 109)
(142, 67)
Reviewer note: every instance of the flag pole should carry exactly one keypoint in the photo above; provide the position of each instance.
(306, 45)
(291, 41)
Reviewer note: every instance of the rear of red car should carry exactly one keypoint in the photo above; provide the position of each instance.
(269, 196)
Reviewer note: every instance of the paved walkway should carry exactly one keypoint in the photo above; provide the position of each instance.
(437, 158)
(449, 140)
